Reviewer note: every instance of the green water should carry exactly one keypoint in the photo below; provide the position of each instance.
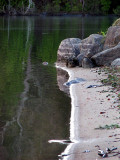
(33, 110)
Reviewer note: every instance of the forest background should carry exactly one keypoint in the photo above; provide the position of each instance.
(95, 7)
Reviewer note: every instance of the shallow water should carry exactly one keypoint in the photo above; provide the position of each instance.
(33, 110)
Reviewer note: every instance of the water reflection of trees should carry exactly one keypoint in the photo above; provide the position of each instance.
(45, 104)
(44, 115)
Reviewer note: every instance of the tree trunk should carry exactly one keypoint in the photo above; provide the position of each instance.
(83, 4)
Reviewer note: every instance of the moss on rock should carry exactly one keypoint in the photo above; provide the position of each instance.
(117, 22)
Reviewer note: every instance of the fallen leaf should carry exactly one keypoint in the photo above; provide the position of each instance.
(102, 112)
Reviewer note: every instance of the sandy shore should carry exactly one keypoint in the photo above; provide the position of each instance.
(91, 108)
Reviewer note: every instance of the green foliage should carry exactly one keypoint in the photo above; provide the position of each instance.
(13, 3)
(117, 10)
(105, 6)
(117, 22)
(48, 8)
(52, 8)
(112, 126)
(113, 78)
(103, 33)
(2, 4)
(56, 2)
(92, 6)
(77, 8)
(67, 7)
(56, 8)
(118, 99)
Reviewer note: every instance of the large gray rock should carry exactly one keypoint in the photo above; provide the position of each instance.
(68, 48)
(72, 51)
(105, 57)
(80, 58)
(87, 63)
(116, 62)
(92, 45)
(112, 37)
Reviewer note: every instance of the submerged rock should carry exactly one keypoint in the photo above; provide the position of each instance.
(62, 77)
(45, 63)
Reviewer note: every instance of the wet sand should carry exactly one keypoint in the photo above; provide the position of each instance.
(90, 109)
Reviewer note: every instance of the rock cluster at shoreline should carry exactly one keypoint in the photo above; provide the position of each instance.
(96, 50)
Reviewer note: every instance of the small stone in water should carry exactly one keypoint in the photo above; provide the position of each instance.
(45, 63)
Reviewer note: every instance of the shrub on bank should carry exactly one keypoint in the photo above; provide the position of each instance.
(117, 10)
